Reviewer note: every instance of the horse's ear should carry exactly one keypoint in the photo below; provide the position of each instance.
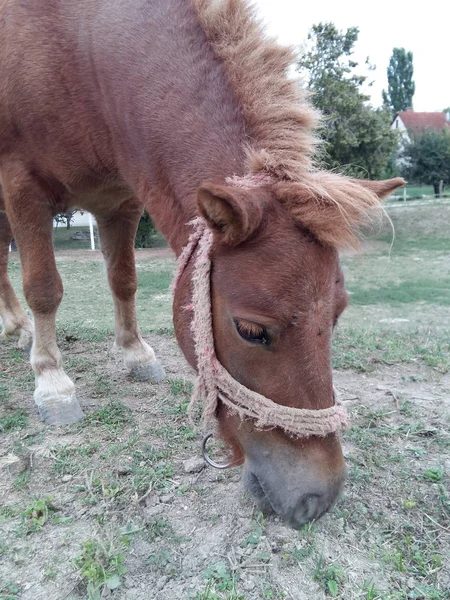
(233, 213)
(384, 188)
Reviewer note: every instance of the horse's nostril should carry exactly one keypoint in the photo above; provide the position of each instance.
(309, 508)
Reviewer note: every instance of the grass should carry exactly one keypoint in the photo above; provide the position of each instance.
(101, 564)
(13, 419)
(36, 515)
(365, 349)
(111, 494)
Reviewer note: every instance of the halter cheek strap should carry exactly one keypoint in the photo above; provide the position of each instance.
(215, 383)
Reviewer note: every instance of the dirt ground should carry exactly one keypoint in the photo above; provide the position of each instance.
(197, 535)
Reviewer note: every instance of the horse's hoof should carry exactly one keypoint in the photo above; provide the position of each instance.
(61, 410)
(149, 371)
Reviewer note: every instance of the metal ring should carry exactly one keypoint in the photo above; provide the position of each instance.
(209, 460)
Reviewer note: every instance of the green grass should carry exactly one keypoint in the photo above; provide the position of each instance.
(62, 238)
(404, 246)
(426, 290)
(101, 564)
(14, 419)
(416, 191)
(113, 416)
(365, 349)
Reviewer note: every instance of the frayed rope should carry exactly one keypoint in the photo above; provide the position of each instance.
(215, 383)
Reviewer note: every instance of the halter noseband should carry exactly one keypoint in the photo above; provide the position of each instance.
(215, 383)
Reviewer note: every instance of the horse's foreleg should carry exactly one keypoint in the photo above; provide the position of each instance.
(32, 223)
(14, 319)
(117, 232)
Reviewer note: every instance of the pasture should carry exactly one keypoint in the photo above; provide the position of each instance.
(112, 507)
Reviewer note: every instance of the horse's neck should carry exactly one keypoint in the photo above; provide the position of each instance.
(174, 118)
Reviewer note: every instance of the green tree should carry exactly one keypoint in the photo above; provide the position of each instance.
(357, 136)
(401, 86)
(146, 232)
(427, 158)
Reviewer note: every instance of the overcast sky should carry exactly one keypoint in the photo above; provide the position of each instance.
(423, 28)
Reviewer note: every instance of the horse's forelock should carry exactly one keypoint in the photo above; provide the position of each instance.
(334, 208)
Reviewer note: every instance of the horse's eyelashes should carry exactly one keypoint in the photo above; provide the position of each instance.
(251, 332)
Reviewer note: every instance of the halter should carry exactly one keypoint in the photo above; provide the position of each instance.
(215, 383)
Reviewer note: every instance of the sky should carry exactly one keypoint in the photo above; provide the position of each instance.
(423, 28)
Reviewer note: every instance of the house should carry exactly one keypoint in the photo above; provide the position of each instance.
(409, 123)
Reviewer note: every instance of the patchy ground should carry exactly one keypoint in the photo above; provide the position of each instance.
(106, 508)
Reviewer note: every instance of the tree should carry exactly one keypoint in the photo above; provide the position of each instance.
(428, 158)
(66, 218)
(356, 135)
(146, 232)
(401, 86)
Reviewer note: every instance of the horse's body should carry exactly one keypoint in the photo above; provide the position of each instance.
(116, 105)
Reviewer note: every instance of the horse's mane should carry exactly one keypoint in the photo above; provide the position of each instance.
(279, 119)
(280, 124)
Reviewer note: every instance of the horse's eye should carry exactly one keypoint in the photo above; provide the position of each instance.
(251, 332)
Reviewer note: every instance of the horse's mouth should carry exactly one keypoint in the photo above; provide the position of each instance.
(255, 489)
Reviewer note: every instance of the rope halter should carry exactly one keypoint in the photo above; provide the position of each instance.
(215, 383)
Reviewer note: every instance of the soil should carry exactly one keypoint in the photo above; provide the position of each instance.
(206, 519)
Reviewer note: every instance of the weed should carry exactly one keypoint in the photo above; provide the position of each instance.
(221, 584)
(435, 474)
(157, 529)
(162, 561)
(36, 515)
(9, 591)
(328, 577)
(101, 564)
(268, 593)
(298, 555)
(368, 588)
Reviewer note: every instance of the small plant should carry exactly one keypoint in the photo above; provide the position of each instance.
(157, 529)
(36, 515)
(369, 589)
(220, 585)
(435, 474)
(9, 591)
(100, 562)
(328, 577)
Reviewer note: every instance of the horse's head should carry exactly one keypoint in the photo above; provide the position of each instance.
(277, 293)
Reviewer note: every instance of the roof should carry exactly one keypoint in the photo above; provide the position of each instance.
(417, 122)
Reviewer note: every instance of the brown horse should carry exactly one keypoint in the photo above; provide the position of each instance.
(183, 106)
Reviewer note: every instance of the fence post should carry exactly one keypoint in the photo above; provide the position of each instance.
(91, 231)
(404, 194)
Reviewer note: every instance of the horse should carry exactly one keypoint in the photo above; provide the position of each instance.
(186, 108)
